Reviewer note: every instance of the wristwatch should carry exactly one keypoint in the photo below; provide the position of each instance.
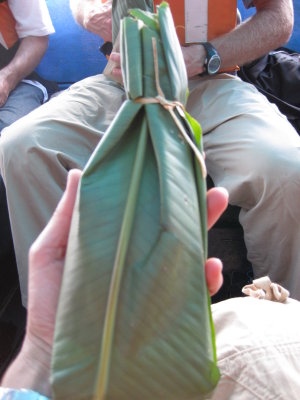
(212, 61)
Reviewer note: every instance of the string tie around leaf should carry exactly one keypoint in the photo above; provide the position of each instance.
(169, 105)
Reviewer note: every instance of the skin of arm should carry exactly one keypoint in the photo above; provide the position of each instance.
(31, 368)
(27, 57)
(268, 29)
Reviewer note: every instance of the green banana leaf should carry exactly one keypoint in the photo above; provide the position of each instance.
(134, 319)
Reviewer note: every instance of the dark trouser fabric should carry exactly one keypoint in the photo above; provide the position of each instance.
(8, 267)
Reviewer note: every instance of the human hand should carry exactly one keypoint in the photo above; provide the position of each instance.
(194, 57)
(46, 262)
(217, 202)
(31, 368)
(4, 89)
(98, 20)
(47, 257)
(116, 72)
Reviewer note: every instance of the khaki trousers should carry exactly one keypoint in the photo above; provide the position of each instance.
(251, 149)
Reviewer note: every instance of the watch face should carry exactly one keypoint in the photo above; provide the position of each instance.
(214, 64)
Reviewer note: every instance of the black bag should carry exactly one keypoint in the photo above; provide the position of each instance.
(277, 76)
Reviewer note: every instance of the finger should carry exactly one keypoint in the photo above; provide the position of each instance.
(117, 74)
(115, 57)
(217, 202)
(66, 204)
(56, 232)
(213, 273)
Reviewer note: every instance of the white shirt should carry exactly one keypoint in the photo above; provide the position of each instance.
(32, 17)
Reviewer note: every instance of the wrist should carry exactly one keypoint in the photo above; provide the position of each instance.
(202, 57)
(9, 79)
(31, 368)
(194, 57)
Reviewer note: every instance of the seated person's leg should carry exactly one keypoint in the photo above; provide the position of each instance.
(23, 99)
(253, 151)
(37, 152)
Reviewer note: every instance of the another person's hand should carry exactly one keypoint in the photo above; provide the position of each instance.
(98, 20)
(116, 72)
(194, 57)
(4, 89)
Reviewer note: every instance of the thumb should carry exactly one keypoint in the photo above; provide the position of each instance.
(56, 233)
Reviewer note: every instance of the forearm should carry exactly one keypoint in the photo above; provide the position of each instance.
(268, 29)
(28, 56)
(31, 369)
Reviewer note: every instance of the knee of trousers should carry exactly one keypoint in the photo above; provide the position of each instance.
(277, 166)
(262, 175)
(16, 144)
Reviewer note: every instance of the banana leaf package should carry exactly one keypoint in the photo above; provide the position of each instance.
(134, 319)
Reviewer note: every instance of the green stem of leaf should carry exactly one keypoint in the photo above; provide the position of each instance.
(201, 186)
(118, 268)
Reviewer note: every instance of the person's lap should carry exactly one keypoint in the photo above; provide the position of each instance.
(239, 124)
(57, 137)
